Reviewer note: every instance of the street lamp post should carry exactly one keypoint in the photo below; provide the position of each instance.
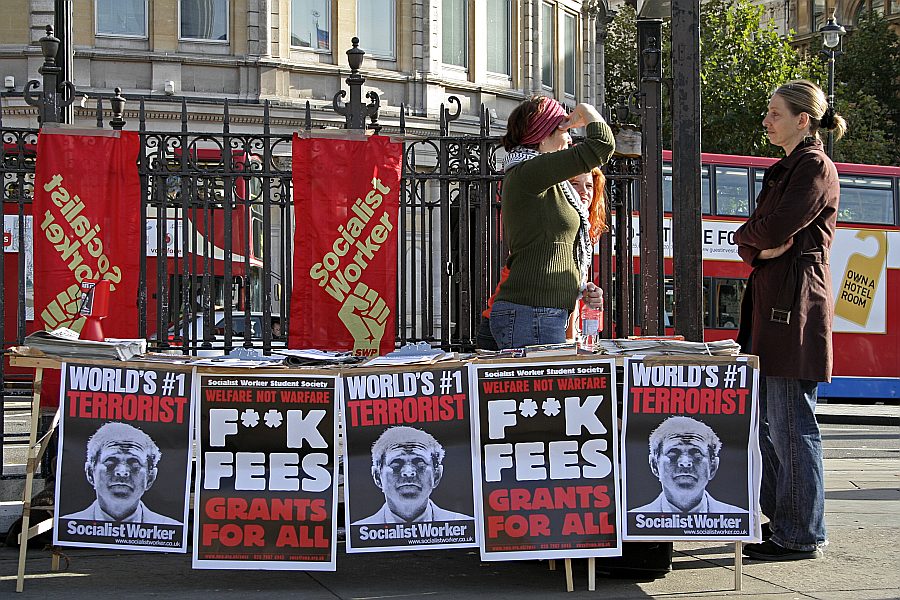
(832, 34)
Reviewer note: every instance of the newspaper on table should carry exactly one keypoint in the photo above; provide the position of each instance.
(66, 343)
(241, 357)
(691, 459)
(125, 458)
(314, 357)
(650, 347)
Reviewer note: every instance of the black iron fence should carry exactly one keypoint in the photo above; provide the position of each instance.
(217, 241)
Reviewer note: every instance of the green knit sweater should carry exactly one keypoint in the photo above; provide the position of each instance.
(540, 226)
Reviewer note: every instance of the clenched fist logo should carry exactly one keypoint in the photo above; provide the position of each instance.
(364, 314)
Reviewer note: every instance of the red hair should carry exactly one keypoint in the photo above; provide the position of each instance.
(597, 210)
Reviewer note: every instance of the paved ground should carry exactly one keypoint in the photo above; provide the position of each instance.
(862, 502)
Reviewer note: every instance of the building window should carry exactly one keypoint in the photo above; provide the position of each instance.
(570, 33)
(498, 39)
(376, 25)
(548, 42)
(311, 24)
(818, 17)
(874, 6)
(204, 20)
(122, 17)
(455, 17)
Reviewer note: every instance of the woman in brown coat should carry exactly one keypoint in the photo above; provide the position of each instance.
(787, 311)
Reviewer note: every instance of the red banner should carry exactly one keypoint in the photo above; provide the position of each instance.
(346, 206)
(87, 208)
(87, 218)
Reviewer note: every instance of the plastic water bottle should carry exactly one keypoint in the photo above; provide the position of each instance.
(591, 324)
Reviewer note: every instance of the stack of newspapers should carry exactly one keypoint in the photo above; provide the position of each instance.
(662, 346)
(65, 342)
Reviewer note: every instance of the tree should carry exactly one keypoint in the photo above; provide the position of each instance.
(743, 62)
(867, 93)
(621, 56)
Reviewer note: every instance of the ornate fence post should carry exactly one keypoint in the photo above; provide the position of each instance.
(355, 111)
(51, 100)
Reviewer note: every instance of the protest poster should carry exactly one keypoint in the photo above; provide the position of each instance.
(547, 459)
(265, 495)
(408, 459)
(123, 466)
(690, 458)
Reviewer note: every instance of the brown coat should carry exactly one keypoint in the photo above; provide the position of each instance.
(799, 199)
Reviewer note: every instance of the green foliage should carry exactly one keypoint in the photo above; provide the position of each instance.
(868, 139)
(867, 93)
(743, 62)
(621, 56)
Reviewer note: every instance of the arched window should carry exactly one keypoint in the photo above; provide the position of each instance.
(876, 6)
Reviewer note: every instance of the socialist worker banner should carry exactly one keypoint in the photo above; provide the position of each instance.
(87, 217)
(346, 206)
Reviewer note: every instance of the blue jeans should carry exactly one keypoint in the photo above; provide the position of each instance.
(517, 325)
(793, 477)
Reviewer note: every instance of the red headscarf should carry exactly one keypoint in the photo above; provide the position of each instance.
(544, 122)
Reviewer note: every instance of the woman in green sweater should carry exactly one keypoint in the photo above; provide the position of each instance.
(545, 225)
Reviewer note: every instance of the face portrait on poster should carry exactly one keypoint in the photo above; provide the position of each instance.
(124, 462)
(408, 460)
(690, 440)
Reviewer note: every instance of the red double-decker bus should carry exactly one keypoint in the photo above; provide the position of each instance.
(865, 266)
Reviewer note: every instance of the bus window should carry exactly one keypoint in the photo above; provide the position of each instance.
(732, 191)
(728, 302)
(667, 187)
(866, 200)
(705, 204)
(707, 283)
(704, 189)
(669, 302)
(758, 175)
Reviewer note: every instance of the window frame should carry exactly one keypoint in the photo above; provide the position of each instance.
(574, 21)
(466, 16)
(130, 36)
(890, 190)
(393, 31)
(329, 26)
(552, 45)
(227, 40)
(509, 42)
(714, 185)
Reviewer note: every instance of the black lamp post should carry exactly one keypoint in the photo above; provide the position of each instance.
(832, 34)
(354, 111)
(52, 99)
(650, 219)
